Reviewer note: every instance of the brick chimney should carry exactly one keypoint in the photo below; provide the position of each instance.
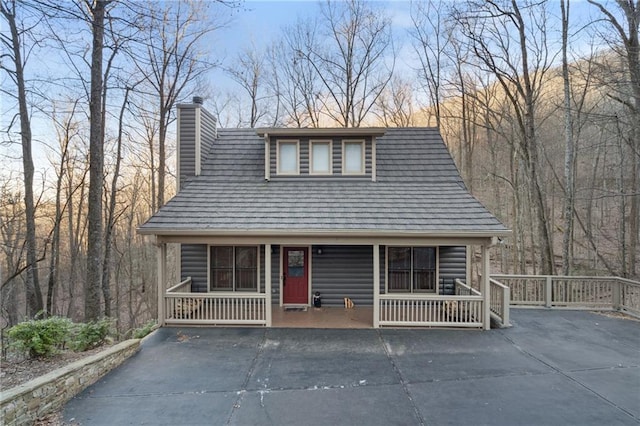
(195, 133)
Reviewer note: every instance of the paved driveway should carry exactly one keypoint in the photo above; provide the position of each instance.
(550, 368)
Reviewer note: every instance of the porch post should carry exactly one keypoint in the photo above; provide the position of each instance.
(162, 274)
(267, 283)
(376, 286)
(485, 286)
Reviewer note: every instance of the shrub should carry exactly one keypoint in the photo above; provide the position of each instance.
(139, 333)
(42, 337)
(91, 334)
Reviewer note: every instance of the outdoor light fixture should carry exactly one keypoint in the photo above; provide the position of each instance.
(319, 250)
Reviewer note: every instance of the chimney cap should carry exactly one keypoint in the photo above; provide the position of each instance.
(197, 100)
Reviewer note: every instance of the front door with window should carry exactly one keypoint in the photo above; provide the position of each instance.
(295, 276)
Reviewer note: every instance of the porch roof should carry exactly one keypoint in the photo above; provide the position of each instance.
(331, 206)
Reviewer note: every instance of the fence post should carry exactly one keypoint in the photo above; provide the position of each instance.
(617, 292)
(548, 293)
(506, 300)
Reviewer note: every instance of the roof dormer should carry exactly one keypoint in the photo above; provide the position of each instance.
(335, 153)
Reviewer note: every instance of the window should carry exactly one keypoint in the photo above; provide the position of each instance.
(352, 157)
(411, 269)
(320, 161)
(288, 154)
(234, 268)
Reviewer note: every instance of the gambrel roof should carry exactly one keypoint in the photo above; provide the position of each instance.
(417, 190)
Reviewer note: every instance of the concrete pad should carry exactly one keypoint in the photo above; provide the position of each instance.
(436, 355)
(364, 405)
(300, 359)
(621, 386)
(173, 409)
(550, 399)
(576, 340)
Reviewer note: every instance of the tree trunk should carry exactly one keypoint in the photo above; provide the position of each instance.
(569, 162)
(96, 166)
(34, 294)
(111, 219)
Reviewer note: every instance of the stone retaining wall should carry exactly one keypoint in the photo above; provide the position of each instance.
(25, 403)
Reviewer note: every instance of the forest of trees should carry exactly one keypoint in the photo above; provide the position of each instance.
(539, 105)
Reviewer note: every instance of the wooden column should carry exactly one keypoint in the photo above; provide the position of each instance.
(485, 287)
(267, 282)
(376, 286)
(162, 280)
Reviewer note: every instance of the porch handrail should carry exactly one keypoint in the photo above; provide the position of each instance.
(184, 283)
(573, 292)
(430, 297)
(461, 284)
(500, 297)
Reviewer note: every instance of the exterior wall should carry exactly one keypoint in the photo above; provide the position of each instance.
(304, 157)
(208, 132)
(453, 264)
(193, 263)
(343, 271)
(340, 271)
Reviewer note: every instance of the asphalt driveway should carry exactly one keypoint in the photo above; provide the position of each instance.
(550, 368)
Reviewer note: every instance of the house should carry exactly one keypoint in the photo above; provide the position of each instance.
(265, 218)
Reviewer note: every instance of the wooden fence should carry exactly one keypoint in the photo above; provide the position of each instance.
(568, 292)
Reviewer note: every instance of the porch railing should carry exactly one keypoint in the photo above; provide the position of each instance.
(430, 311)
(499, 299)
(603, 293)
(183, 307)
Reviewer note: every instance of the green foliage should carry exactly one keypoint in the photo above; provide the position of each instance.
(90, 335)
(139, 333)
(42, 337)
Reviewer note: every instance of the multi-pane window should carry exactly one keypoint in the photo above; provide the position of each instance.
(234, 268)
(320, 158)
(288, 158)
(411, 269)
(352, 157)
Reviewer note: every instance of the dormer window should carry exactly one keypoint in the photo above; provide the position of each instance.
(352, 157)
(324, 154)
(320, 162)
(288, 157)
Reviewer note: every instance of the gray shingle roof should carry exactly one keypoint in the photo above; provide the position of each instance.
(418, 190)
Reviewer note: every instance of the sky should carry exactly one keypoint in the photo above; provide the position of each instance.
(259, 22)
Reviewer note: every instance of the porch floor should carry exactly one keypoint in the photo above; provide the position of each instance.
(325, 317)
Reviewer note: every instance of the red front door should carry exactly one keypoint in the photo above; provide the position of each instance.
(295, 276)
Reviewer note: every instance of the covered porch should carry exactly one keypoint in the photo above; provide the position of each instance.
(465, 304)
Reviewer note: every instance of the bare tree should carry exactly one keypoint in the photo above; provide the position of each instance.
(624, 22)
(520, 70)
(299, 88)
(395, 106)
(569, 161)
(13, 43)
(430, 42)
(96, 10)
(173, 57)
(250, 74)
(352, 59)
